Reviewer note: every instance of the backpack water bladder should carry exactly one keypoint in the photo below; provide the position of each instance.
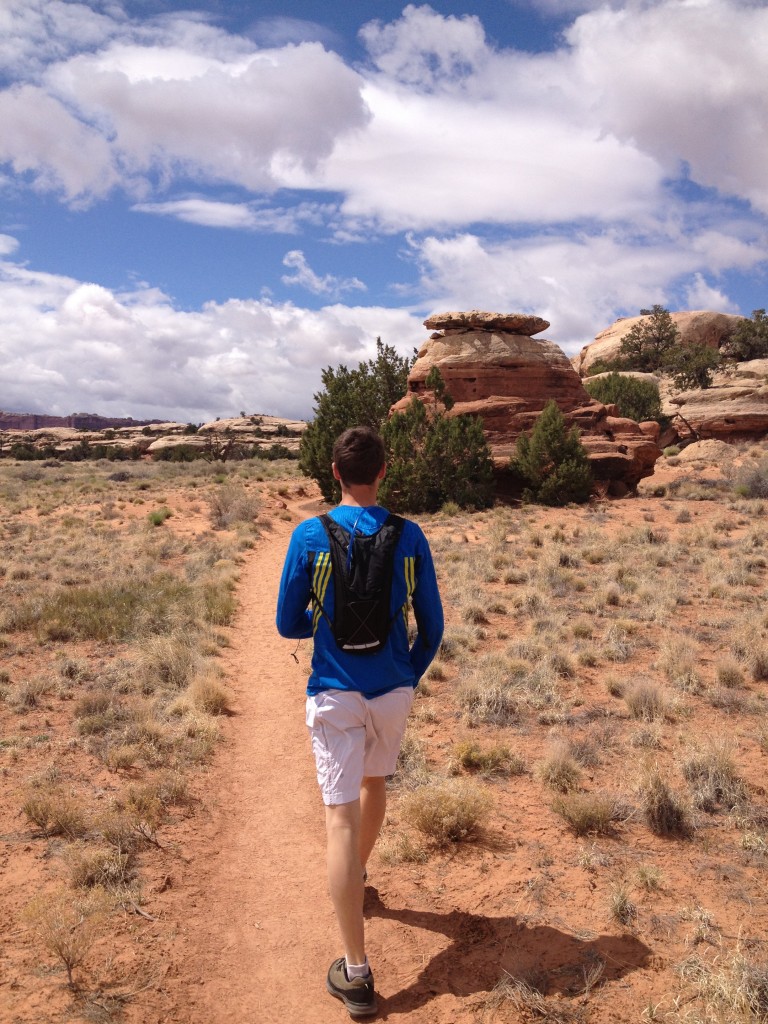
(363, 567)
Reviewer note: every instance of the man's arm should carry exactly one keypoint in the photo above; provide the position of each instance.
(428, 610)
(294, 618)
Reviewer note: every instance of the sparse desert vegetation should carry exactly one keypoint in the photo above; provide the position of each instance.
(580, 797)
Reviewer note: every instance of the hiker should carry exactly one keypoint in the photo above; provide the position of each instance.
(364, 672)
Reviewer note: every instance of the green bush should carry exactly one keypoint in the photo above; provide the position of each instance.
(636, 399)
(691, 366)
(750, 339)
(350, 398)
(434, 459)
(552, 464)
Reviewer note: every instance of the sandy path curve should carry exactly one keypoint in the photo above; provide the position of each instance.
(261, 928)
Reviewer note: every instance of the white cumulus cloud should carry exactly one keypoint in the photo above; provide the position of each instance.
(71, 346)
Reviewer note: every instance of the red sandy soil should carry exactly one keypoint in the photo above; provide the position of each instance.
(241, 928)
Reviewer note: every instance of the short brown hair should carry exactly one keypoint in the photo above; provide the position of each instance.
(359, 455)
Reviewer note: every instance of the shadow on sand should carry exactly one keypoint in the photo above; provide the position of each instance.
(483, 948)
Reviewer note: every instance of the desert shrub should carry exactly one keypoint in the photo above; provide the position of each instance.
(677, 660)
(636, 399)
(433, 459)
(490, 702)
(664, 812)
(167, 660)
(691, 366)
(55, 812)
(586, 813)
(159, 516)
(648, 877)
(89, 867)
(752, 480)
(552, 465)
(231, 504)
(400, 848)
(447, 811)
(729, 674)
(68, 927)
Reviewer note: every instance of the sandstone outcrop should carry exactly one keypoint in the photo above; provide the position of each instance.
(735, 408)
(506, 378)
(697, 327)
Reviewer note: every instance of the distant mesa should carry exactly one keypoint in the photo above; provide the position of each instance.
(77, 421)
(60, 434)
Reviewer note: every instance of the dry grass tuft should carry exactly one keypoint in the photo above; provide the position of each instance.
(207, 694)
(529, 1002)
(664, 812)
(55, 812)
(712, 775)
(496, 760)
(559, 769)
(732, 989)
(447, 811)
(588, 813)
(646, 701)
(621, 905)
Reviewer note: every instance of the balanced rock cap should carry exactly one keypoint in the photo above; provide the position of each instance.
(477, 320)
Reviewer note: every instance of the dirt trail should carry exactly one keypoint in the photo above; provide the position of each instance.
(262, 928)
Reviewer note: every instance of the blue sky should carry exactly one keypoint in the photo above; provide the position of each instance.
(202, 205)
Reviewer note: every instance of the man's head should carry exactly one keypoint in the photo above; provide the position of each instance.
(358, 456)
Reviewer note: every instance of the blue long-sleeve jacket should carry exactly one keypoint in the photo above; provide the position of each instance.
(414, 584)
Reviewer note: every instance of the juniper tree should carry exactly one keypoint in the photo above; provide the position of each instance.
(643, 347)
(433, 458)
(350, 398)
(552, 464)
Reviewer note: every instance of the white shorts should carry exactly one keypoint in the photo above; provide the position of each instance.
(353, 738)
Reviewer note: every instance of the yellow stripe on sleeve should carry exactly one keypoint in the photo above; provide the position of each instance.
(320, 580)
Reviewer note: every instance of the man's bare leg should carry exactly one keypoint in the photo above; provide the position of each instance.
(373, 806)
(345, 879)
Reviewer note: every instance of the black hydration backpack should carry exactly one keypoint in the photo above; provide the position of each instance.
(363, 567)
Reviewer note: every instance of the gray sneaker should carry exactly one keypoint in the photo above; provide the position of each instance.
(357, 995)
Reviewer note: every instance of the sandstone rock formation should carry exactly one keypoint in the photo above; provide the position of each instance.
(697, 327)
(735, 408)
(507, 377)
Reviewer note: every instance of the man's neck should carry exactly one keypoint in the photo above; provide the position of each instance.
(359, 495)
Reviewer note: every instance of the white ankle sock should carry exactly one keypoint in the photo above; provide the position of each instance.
(357, 970)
